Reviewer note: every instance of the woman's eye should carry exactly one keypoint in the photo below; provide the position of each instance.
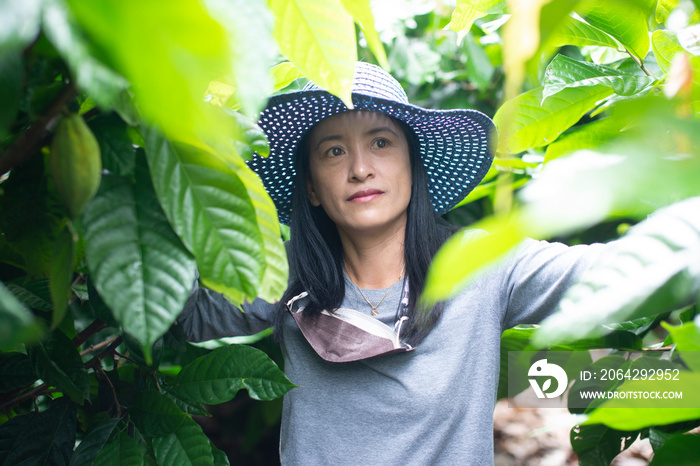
(380, 143)
(335, 151)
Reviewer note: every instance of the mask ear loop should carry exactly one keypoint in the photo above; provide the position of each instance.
(401, 309)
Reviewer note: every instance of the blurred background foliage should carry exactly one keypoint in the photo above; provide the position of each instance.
(596, 106)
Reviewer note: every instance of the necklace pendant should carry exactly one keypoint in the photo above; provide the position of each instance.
(374, 312)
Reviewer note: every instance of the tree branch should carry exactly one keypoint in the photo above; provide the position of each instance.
(29, 142)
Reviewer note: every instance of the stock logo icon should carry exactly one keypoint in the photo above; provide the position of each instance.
(542, 369)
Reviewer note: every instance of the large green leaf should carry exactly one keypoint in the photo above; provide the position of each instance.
(117, 150)
(17, 324)
(61, 275)
(209, 207)
(102, 83)
(186, 46)
(11, 80)
(599, 444)
(253, 50)
(187, 445)
(449, 272)
(155, 414)
(680, 450)
(624, 414)
(468, 11)
(275, 276)
(581, 34)
(58, 363)
(19, 23)
(137, 263)
(93, 442)
(44, 438)
(649, 272)
(564, 72)
(123, 450)
(217, 377)
(319, 37)
(587, 136)
(665, 46)
(361, 11)
(625, 20)
(525, 122)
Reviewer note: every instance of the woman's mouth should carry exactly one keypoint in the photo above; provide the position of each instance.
(365, 195)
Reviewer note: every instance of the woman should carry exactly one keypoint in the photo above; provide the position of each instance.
(382, 381)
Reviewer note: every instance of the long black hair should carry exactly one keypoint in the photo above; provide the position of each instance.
(316, 253)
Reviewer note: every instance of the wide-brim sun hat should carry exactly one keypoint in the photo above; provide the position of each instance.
(456, 146)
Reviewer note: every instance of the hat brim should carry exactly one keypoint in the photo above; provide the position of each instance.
(456, 146)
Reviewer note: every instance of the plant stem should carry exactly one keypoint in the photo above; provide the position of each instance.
(98, 346)
(639, 63)
(42, 389)
(33, 139)
(89, 331)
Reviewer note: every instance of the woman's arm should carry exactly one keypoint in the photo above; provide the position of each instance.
(208, 315)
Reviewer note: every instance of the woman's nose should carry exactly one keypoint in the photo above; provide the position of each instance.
(361, 166)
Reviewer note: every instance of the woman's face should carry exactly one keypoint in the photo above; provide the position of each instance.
(360, 172)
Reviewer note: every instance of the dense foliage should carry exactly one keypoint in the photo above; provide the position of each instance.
(596, 104)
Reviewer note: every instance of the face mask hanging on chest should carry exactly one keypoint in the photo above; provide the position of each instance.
(346, 335)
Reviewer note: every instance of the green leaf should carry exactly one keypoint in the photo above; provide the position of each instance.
(58, 363)
(578, 33)
(19, 23)
(137, 263)
(599, 444)
(449, 272)
(687, 340)
(625, 20)
(102, 83)
(217, 377)
(479, 68)
(61, 275)
(186, 46)
(253, 50)
(155, 414)
(624, 414)
(679, 450)
(564, 72)
(123, 450)
(318, 36)
(361, 11)
(93, 442)
(275, 277)
(220, 458)
(208, 206)
(44, 438)
(665, 46)
(34, 294)
(11, 77)
(468, 11)
(187, 445)
(249, 137)
(648, 272)
(284, 74)
(526, 122)
(118, 153)
(17, 324)
(587, 136)
(15, 371)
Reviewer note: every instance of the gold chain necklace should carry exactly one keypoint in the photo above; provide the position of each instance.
(374, 308)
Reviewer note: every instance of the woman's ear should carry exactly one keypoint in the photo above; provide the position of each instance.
(311, 193)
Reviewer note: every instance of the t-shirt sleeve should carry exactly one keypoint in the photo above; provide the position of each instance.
(538, 274)
(208, 315)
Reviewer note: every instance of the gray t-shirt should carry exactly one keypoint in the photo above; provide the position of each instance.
(433, 405)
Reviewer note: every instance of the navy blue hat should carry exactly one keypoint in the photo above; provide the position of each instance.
(456, 146)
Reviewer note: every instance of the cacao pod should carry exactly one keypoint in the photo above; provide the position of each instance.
(75, 163)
